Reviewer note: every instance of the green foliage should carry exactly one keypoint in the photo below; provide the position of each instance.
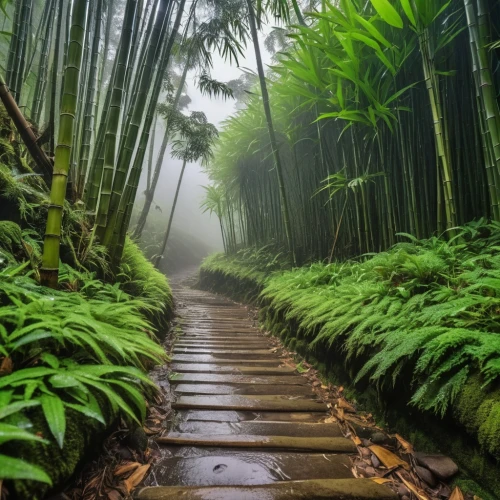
(84, 351)
(139, 278)
(253, 264)
(427, 307)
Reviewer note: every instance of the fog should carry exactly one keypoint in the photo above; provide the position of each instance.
(194, 234)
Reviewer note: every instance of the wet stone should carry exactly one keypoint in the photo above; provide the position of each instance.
(426, 475)
(443, 467)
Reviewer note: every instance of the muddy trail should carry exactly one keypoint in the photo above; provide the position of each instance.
(246, 425)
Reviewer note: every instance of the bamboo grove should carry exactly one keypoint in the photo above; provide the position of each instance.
(386, 118)
(85, 83)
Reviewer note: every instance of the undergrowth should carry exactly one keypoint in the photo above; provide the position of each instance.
(73, 360)
(430, 308)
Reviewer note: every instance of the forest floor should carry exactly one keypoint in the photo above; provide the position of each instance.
(239, 416)
(249, 420)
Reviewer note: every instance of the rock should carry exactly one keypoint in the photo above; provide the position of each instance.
(443, 467)
(375, 461)
(380, 438)
(138, 440)
(403, 490)
(124, 453)
(366, 442)
(370, 472)
(426, 475)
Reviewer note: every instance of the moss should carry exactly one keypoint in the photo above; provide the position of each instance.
(479, 412)
(83, 436)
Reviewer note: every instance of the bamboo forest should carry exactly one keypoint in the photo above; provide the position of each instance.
(250, 249)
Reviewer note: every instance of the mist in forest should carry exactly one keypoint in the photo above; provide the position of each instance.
(195, 234)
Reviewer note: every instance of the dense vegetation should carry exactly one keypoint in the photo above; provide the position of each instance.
(84, 85)
(419, 320)
(386, 120)
(71, 358)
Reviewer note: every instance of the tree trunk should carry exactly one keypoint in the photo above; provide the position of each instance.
(24, 129)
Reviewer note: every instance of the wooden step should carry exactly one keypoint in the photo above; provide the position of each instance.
(259, 428)
(312, 489)
(203, 466)
(244, 389)
(232, 369)
(227, 378)
(324, 444)
(221, 360)
(254, 403)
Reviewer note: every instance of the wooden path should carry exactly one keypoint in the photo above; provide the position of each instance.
(246, 427)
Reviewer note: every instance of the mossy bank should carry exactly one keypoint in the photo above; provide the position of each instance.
(412, 334)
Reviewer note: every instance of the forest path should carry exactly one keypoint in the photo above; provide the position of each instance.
(246, 427)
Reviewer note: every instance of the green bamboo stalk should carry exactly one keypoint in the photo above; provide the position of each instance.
(88, 121)
(111, 192)
(113, 116)
(271, 131)
(43, 65)
(54, 80)
(50, 259)
(431, 83)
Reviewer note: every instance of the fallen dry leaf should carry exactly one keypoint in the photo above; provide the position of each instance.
(126, 467)
(136, 477)
(340, 413)
(356, 440)
(407, 447)
(388, 458)
(420, 494)
(456, 494)
(380, 480)
(342, 403)
(331, 420)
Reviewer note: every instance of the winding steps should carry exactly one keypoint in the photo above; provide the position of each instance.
(246, 427)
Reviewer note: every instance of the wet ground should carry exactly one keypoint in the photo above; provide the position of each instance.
(246, 426)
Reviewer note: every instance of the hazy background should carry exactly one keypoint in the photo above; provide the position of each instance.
(194, 234)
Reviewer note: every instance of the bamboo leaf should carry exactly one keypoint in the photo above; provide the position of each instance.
(387, 12)
(408, 11)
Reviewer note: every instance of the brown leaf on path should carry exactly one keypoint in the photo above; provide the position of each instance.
(381, 480)
(342, 403)
(126, 467)
(420, 494)
(340, 414)
(136, 477)
(356, 440)
(456, 494)
(388, 458)
(331, 420)
(407, 447)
